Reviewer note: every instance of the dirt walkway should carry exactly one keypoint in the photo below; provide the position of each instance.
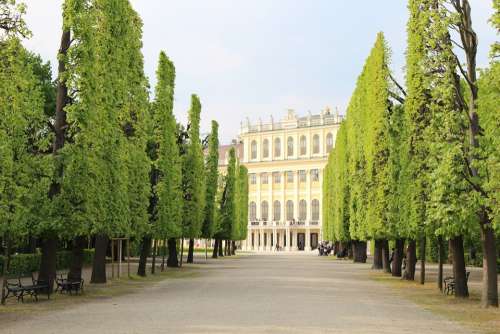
(250, 294)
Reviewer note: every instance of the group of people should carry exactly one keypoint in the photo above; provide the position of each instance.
(325, 248)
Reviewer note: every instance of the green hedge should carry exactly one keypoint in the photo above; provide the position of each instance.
(28, 263)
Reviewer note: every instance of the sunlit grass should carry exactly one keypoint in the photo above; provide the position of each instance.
(465, 311)
(113, 288)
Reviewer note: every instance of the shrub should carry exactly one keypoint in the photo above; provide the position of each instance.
(24, 264)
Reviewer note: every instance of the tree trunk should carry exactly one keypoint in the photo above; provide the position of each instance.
(143, 258)
(359, 251)
(336, 248)
(75, 271)
(422, 259)
(172, 260)
(489, 295)
(386, 265)
(48, 261)
(216, 249)
(190, 258)
(99, 265)
(411, 260)
(5, 266)
(164, 250)
(182, 252)
(397, 260)
(350, 250)
(233, 248)
(469, 45)
(440, 262)
(221, 250)
(377, 255)
(459, 272)
(206, 249)
(153, 262)
(49, 244)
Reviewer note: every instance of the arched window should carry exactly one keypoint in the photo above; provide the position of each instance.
(302, 210)
(264, 210)
(289, 210)
(253, 148)
(253, 211)
(315, 210)
(303, 145)
(289, 146)
(276, 210)
(265, 148)
(329, 142)
(315, 144)
(277, 148)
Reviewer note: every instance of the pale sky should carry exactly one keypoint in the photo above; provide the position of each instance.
(258, 58)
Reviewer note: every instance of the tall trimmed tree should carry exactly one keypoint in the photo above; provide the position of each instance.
(193, 179)
(165, 173)
(23, 144)
(211, 179)
(227, 212)
(239, 228)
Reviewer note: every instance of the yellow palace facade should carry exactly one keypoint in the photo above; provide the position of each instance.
(285, 161)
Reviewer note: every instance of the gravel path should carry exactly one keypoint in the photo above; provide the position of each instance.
(250, 294)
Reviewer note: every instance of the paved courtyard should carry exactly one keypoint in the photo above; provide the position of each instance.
(249, 294)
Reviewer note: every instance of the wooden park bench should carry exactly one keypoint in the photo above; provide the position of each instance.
(64, 284)
(449, 284)
(23, 285)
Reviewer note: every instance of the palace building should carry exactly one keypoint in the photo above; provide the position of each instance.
(285, 162)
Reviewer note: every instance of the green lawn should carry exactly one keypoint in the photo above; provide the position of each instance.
(467, 311)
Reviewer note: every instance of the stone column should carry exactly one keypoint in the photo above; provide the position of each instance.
(308, 240)
(258, 212)
(287, 231)
(308, 197)
(320, 223)
(283, 198)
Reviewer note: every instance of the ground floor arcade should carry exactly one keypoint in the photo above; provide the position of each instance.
(275, 238)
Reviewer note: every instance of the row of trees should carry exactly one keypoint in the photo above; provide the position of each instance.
(89, 156)
(232, 217)
(421, 162)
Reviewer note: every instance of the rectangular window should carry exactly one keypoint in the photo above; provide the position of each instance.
(253, 179)
(263, 178)
(289, 177)
(302, 176)
(277, 177)
(314, 175)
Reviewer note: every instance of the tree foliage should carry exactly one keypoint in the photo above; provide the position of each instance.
(193, 175)
(239, 228)
(11, 19)
(211, 179)
(356, 189)
(227, 214)
(166, 157)
(24, 169)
